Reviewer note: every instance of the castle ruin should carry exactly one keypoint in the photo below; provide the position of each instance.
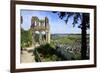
(40, 30)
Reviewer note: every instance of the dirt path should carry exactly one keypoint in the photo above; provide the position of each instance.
(26, 56)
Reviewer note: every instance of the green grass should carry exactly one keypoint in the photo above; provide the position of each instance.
(65, 39)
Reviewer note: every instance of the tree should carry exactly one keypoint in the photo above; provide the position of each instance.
(85, 24)
(26, 38)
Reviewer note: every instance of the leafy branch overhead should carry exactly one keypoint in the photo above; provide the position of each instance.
(76, 16)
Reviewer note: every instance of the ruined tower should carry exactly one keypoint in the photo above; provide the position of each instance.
(40, 26)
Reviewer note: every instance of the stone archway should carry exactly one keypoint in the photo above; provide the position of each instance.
(40, 25)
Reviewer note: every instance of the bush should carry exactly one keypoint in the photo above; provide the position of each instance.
(26, 38)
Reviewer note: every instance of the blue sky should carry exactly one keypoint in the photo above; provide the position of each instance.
(56, 24)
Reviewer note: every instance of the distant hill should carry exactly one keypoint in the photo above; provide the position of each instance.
(66, 34)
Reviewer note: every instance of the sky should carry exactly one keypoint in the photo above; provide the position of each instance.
(56, 24)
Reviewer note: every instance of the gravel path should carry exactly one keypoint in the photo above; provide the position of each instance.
(26, 56)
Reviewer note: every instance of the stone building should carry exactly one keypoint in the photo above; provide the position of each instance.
(40, 30)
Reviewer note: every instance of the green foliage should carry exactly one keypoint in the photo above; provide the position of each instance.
(47, 52)
(26, 38)
(77, 56)
(45, 49)
(70, 39)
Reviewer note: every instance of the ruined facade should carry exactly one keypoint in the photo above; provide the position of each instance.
(40, 30)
